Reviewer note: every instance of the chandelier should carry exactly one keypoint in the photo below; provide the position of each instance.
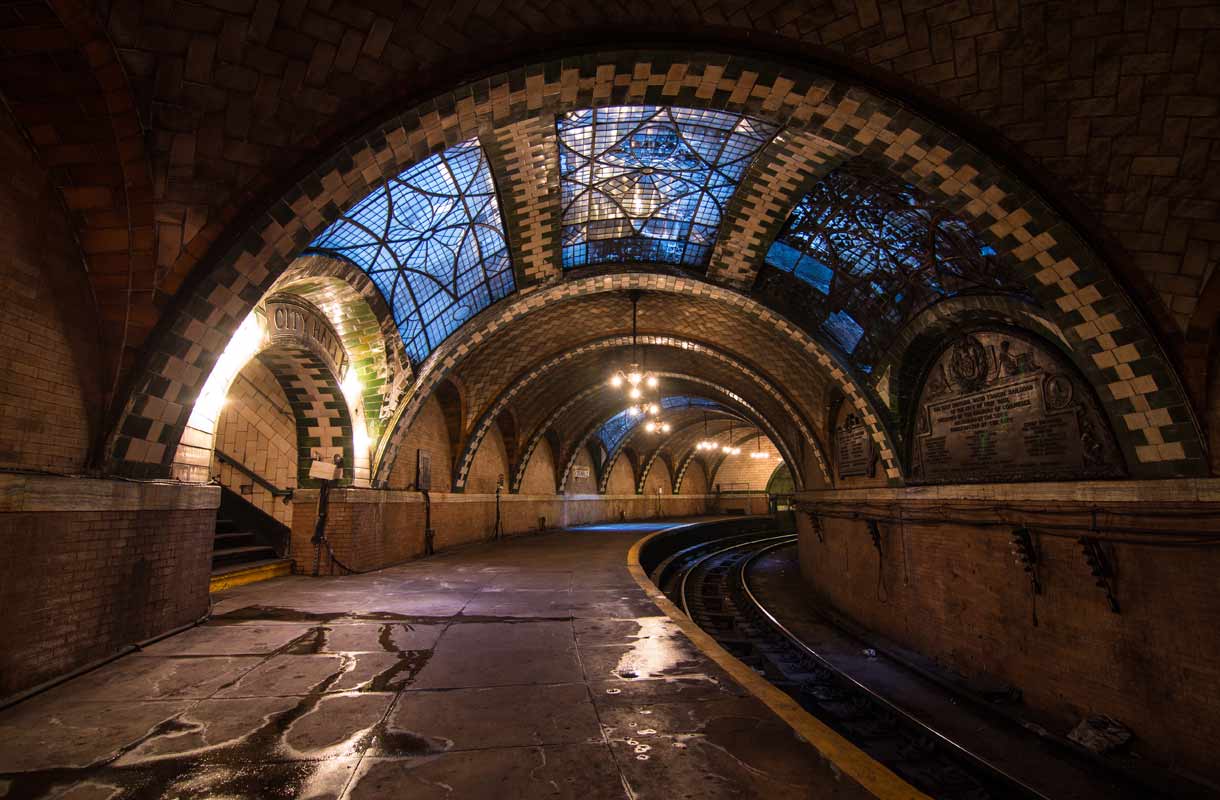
(706, 442)
(758, 451)
(634, 377)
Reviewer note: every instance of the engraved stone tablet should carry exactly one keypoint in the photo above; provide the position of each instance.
(853, 449)
(998, 407)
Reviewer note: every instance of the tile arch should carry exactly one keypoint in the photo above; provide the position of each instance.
(713, 389)
(790, 94)
(540, 371)
(663, 447)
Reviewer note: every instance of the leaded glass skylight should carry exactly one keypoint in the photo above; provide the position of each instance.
(432, 241)
(876, 251)
(615, 429)
(644, 183)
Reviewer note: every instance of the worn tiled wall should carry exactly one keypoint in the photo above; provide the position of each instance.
(622, 477)
(427, 433)
(582, 485)
(257, 427)
(490, 463)
(92, 566)
(540, 471)
(369, 528)
(743, 472)
(955, 593)
(43, 415)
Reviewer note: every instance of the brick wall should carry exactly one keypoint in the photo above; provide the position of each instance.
(540, 471)
(427, 432)
(956, 594)
(622, 478)
(587, 485)
(490, 463)
(43, 416)
(92, 566)
(658, 480)
(256, 426)
(371, 528)
(742, 469)
(695, 479)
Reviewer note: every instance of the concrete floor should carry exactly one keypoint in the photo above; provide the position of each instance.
(531, 668)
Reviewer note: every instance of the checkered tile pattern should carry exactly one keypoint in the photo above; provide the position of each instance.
(780, 176)
(1070, 280)
(324, 426)
(526, 156)
(363, 322)
(542, 371)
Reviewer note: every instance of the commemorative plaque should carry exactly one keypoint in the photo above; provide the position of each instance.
(998, 407)
(853, 449)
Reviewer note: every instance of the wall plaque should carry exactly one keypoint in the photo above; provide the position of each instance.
(853, 449)
(998, 407)
(580, 472)
(423, 470)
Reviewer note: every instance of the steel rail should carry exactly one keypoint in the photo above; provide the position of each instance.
(974, 758)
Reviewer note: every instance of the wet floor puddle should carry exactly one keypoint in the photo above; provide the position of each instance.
(259, 763)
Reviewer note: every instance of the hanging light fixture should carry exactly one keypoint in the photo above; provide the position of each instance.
(758, 451)
(634, 378)
(728, 449)
(706, 442)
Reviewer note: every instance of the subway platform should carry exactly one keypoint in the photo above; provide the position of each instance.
(532, 668)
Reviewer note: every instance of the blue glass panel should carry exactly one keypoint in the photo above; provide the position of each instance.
(432, 241)
(643, 183)
(878, 252)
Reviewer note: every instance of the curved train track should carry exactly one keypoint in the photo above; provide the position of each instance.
(708, 582)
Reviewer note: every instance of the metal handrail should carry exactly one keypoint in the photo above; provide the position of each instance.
(276, 491)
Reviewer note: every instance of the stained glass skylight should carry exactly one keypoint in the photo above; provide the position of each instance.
(645, 183)
(432, 241)
(876, 251)
(615, 429)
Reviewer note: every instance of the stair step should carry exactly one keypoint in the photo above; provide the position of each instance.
(228, 576)
(233, 555)
(237, 539)
(225, 525)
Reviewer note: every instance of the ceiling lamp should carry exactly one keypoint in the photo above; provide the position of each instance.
(758, 451)
(706, 442)
(635, 378)
(729, 449)
(652, 426)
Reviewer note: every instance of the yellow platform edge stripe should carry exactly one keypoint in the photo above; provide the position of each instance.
(863, 769)
(252, 575)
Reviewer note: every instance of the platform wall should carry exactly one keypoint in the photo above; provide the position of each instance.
(92, 566)
(372, 528)
(955, 593)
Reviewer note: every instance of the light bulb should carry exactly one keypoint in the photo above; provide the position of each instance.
(652, 409)
(635, 393)
(634, 378)
(651, 426)
(616, 381)
(664, 427)
(652, 381)
(633, 411)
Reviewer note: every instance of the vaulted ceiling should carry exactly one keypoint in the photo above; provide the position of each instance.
(201, 149)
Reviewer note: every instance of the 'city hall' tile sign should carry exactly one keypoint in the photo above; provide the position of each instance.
(295, 322)
(999, 407)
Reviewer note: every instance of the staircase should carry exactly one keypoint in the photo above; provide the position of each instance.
(248, 544)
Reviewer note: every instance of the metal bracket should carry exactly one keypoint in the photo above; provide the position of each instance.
(1027, 555)
(874, 531)
(1103, 571)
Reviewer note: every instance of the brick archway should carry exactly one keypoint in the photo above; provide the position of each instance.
(1074, 286)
